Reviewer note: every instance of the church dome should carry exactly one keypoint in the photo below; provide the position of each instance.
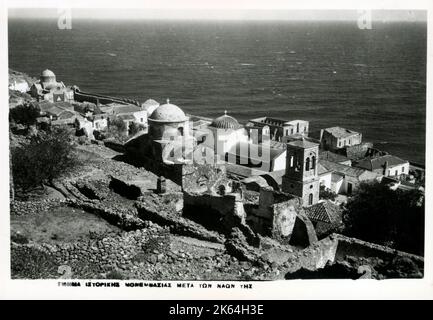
(168, 113)
(47, 76)
(225, 122)
(47, 73)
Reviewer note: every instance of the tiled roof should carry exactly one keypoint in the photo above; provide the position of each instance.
(324, 212)
(225, 122)
(126, 117)
(303, 143)
(255, 149)
(331, 156)
(335, 177)
(321, 169)
(379, 162)
(340, 132)
(341, 168)
(242, 171)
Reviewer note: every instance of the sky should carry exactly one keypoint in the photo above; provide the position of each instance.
(220, 14)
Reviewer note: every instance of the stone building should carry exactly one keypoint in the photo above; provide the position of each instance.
(20, 85)
(49, 89)
(344, 179)
(336, 138)
(386, 165)
(281, 217)
(277, 129)
(301, 178)
(326, 218)
(150, 105)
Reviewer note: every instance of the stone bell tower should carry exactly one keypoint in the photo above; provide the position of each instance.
(301, 178)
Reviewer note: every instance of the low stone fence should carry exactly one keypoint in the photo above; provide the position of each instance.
(122, 218)
(103, 255)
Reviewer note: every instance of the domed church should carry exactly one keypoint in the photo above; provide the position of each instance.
(168, 121)
(169, 139)
(49, 89)
(226, 132)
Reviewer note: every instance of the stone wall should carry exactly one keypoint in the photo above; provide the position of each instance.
(167, 216)
(281, 217)
(205, 178)
(337, 247)
(359, 248)
(101, 255)
(215, 212)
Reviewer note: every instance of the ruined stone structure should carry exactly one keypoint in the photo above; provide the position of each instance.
(281, 217)
(301, 178)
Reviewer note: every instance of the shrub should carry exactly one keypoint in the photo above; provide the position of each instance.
(134, 128)
(25, 114)
(47, 156)
(381, 215)
(326, 194)
(116, 129)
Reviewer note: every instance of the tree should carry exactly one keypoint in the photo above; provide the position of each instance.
(392, 218)
(116, 129)
(25, 114)
(47, 156)
(327, 194)
(134, 128)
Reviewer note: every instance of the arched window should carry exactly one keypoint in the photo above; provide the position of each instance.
(310, 199)
(307, 164)
(313, 162)
(297, 127)
(180, 129)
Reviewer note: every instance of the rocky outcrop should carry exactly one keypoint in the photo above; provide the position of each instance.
(237, 246)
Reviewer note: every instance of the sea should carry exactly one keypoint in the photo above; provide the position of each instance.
(329, 73)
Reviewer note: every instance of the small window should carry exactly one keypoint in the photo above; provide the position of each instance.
(141, 119)
(402, 169)
(307, 164)
(396, 172)
(291, 161)
(180, 129)
(291, 131)
(311, 187)
(310, 199)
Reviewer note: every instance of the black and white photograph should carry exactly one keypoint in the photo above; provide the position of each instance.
(225, 145)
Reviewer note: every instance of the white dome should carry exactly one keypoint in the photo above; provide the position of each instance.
(168, 113)
(47, 73)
